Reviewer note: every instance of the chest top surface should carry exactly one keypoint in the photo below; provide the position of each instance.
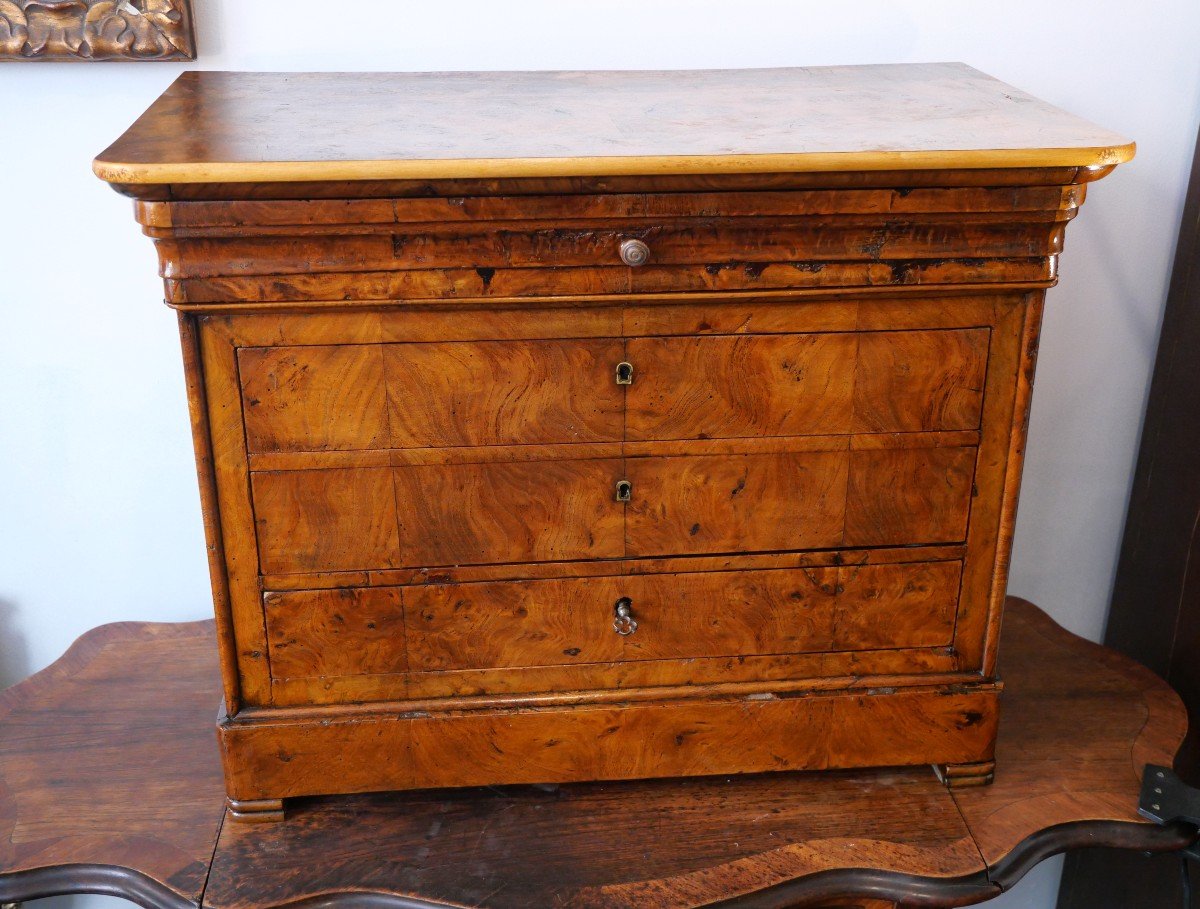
(283, 127)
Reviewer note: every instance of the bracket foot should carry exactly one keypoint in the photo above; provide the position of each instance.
(964, 776)
(255, 811)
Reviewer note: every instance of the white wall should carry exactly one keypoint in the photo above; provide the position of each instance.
(98, 508)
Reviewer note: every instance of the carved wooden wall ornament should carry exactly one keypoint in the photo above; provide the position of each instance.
(96, 30)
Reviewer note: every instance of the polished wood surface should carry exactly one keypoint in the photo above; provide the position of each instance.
(551, 622)
(998, 815)
(413, 395)
(765, 385)
(109, 777)
(461, 439)
(384, 126)
(901, 496)
(530, 511)
(282, 754)
(87, 805)
(845, 240)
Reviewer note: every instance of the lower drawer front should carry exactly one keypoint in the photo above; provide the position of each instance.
(573, 621)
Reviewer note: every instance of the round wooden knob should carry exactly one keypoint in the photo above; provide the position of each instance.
(634, 253)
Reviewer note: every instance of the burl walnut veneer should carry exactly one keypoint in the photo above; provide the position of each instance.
(569, 426)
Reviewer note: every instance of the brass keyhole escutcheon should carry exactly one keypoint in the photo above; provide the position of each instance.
(623, 622)
(624, 490)
(624, 373)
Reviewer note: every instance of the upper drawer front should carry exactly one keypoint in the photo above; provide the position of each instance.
(574, 621)
(719, 241)
(364, 396)
(361, 396)
(732, 386)
(742, 245)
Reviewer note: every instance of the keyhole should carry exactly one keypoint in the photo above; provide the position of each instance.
(624, 373)
(624, 623)
(624, 490)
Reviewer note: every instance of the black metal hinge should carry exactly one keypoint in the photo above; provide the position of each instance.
(1166, 799)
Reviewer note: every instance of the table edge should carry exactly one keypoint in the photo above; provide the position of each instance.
(1001, 874)
(104, 880)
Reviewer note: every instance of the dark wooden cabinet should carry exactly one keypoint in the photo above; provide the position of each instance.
(536, 450)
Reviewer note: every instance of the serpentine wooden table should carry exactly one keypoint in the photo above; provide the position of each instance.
(110, 782)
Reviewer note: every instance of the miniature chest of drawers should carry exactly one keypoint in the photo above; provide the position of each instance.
(592, 426)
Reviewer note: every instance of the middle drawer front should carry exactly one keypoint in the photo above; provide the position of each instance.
(531, 392)
(412, 516)
(487, 625)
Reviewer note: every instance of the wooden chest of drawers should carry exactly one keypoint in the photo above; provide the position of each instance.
(557, 427)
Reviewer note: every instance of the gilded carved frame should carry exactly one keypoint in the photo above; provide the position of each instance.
(96, 30)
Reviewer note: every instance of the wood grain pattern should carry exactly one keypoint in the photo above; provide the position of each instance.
(317, 398)
(919, 381)
(896, 496)
(718, 387)
(504, 393)
(327, 520)
(558, 124)
(314, 398)
(1009, 243)
(258, 293)
(343, 519)
(366, 751)
(234, 532)
(630, 680)
(1007, 399)
(990, 178)
(748, 200)
(509, 512)
(403, 457)
(140, 817)
(338, 519)
(206, 476)
(680, 616)
(1039, 656)
(110, 779)
(747, 503)
(774, 831)
(314, 633)
(733, 243)
(750, 385)
(464, 574)
(371, 396)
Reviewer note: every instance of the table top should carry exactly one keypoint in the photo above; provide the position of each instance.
(110, 781)
(226, 127)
